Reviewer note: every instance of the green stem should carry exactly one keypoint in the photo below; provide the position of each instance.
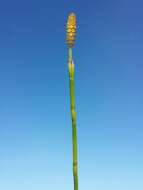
(73, 116)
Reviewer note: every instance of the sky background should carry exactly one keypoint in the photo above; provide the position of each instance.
(35, 124)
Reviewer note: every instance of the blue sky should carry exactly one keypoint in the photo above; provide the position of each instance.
(35, 125)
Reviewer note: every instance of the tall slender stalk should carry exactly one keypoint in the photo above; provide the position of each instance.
(73, 116)
(71, 26)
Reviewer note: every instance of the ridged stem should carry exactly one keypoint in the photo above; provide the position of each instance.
(73, 117)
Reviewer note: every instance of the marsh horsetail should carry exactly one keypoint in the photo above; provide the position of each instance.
(70, 38)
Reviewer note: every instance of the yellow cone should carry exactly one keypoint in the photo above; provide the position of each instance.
(71, 30)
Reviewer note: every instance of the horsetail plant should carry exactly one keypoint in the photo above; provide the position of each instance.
(70, 38)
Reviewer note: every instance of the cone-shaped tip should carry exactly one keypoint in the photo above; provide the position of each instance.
(72, 14)
(71, 29)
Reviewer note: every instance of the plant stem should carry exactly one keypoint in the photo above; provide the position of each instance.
(73, 117)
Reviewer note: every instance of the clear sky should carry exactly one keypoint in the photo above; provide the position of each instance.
(35, 125)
